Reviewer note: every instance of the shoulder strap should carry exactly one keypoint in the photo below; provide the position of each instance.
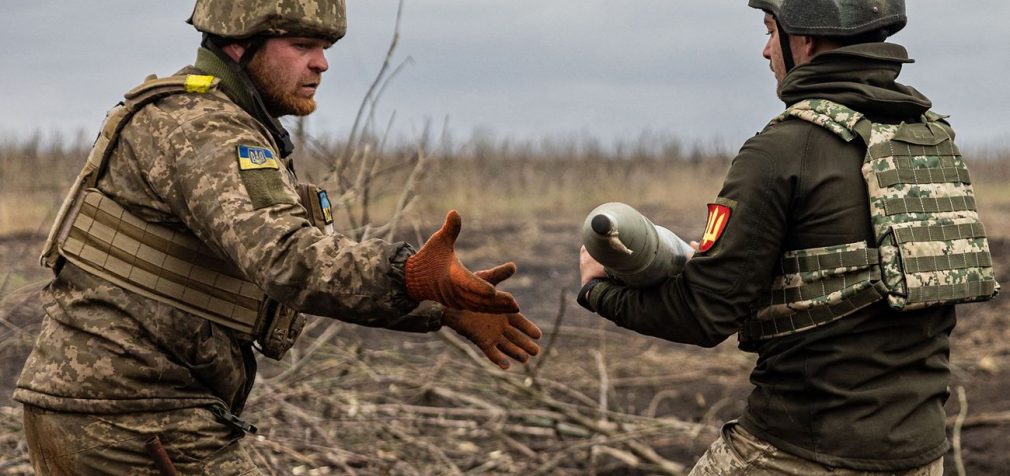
(841, 120)
(135, 99)
(149, 91)
(933, 249)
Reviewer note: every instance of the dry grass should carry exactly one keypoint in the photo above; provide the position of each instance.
(598, 401)
(485, 181)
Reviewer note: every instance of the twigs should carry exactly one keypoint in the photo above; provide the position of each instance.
(361, 171)
(448, 465)
(409, 192)
(982, 419)
(368, 99)
(574, 416)
(553, 336)
(44, 223)
(332, 330)
(961, 415)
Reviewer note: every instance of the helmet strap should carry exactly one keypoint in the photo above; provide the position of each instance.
(255, 44)
(259, 112)
(787, 50)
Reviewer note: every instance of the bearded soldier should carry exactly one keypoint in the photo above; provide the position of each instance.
(843, 234)
(187, 242)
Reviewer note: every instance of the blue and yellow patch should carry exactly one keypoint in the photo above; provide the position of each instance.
(324, 204)
(255, 158)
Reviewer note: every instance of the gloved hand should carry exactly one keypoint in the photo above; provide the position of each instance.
(436, 274)
(497, 335)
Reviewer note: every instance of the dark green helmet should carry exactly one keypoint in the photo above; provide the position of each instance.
(835, 17)
(240, 19)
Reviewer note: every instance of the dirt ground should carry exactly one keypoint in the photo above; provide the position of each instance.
(646, 376)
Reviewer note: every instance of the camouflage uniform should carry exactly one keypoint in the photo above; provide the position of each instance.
(123, 366)
(864, 392)
(80, 443)
(737, 452)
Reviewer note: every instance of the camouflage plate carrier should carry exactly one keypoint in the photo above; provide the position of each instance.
(930, 248)
(96, 234)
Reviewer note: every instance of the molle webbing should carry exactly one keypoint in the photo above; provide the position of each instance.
(98, 235)
(150, 91)
(901, 205)
(160, 263)
(174, 267)
(922, 206)
(931, 245)
(815, 287)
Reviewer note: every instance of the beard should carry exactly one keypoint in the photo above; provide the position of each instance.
(278, 97)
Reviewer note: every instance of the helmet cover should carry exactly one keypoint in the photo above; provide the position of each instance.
(240, 19)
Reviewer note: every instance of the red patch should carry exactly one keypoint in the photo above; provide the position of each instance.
(718, 217)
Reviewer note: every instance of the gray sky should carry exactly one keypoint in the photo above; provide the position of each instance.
(519, 68)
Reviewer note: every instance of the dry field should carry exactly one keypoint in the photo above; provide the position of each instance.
(600, 400)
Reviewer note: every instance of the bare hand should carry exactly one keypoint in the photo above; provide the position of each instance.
(589, 268)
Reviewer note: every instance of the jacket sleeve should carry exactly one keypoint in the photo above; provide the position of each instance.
(707, 302)
(253, 217)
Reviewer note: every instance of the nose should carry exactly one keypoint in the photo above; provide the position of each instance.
(318, 62)
(767, 53)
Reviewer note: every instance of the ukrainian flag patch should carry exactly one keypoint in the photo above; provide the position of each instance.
(324, 204)
(255, 158)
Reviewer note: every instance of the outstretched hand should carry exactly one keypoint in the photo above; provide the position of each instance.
(497, 335)
(435, 273)
(589, 268)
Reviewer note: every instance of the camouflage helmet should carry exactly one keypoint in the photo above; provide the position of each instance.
(835, 17)
(240, 19)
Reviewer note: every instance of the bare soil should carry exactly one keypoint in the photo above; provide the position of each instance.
(645, 376)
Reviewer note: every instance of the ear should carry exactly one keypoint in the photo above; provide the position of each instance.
(804, 47)
(808, 46)
(234, 51)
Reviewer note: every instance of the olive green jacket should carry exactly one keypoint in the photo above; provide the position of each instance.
(864, 392)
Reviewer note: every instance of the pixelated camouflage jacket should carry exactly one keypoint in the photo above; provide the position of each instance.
(863, 392)
(103, 349)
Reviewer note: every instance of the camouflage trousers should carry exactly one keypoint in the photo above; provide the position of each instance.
(76, 443)
(739, 453)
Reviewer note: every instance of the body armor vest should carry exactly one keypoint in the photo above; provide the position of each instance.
(930, 247)
(97, 235)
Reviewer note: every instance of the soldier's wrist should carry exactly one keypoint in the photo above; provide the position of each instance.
(585, 293)
(403, 298)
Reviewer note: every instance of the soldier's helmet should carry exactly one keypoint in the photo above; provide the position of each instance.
(839, 18)
(240, 19)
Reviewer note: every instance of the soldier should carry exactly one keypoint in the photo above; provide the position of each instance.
(842, 235)
(187, 242)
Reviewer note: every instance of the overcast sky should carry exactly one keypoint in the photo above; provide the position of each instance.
(518, 68)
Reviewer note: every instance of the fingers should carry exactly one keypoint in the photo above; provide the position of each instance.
(467, 280)
(451, 228)
(498, 273)
(495, 356)
(503, 302)
(474, 294)
(521, 340)
(589, 268)
(513, 351)
(527, 327)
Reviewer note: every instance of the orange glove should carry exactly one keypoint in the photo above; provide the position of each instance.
(436, 274)
(496, 334)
